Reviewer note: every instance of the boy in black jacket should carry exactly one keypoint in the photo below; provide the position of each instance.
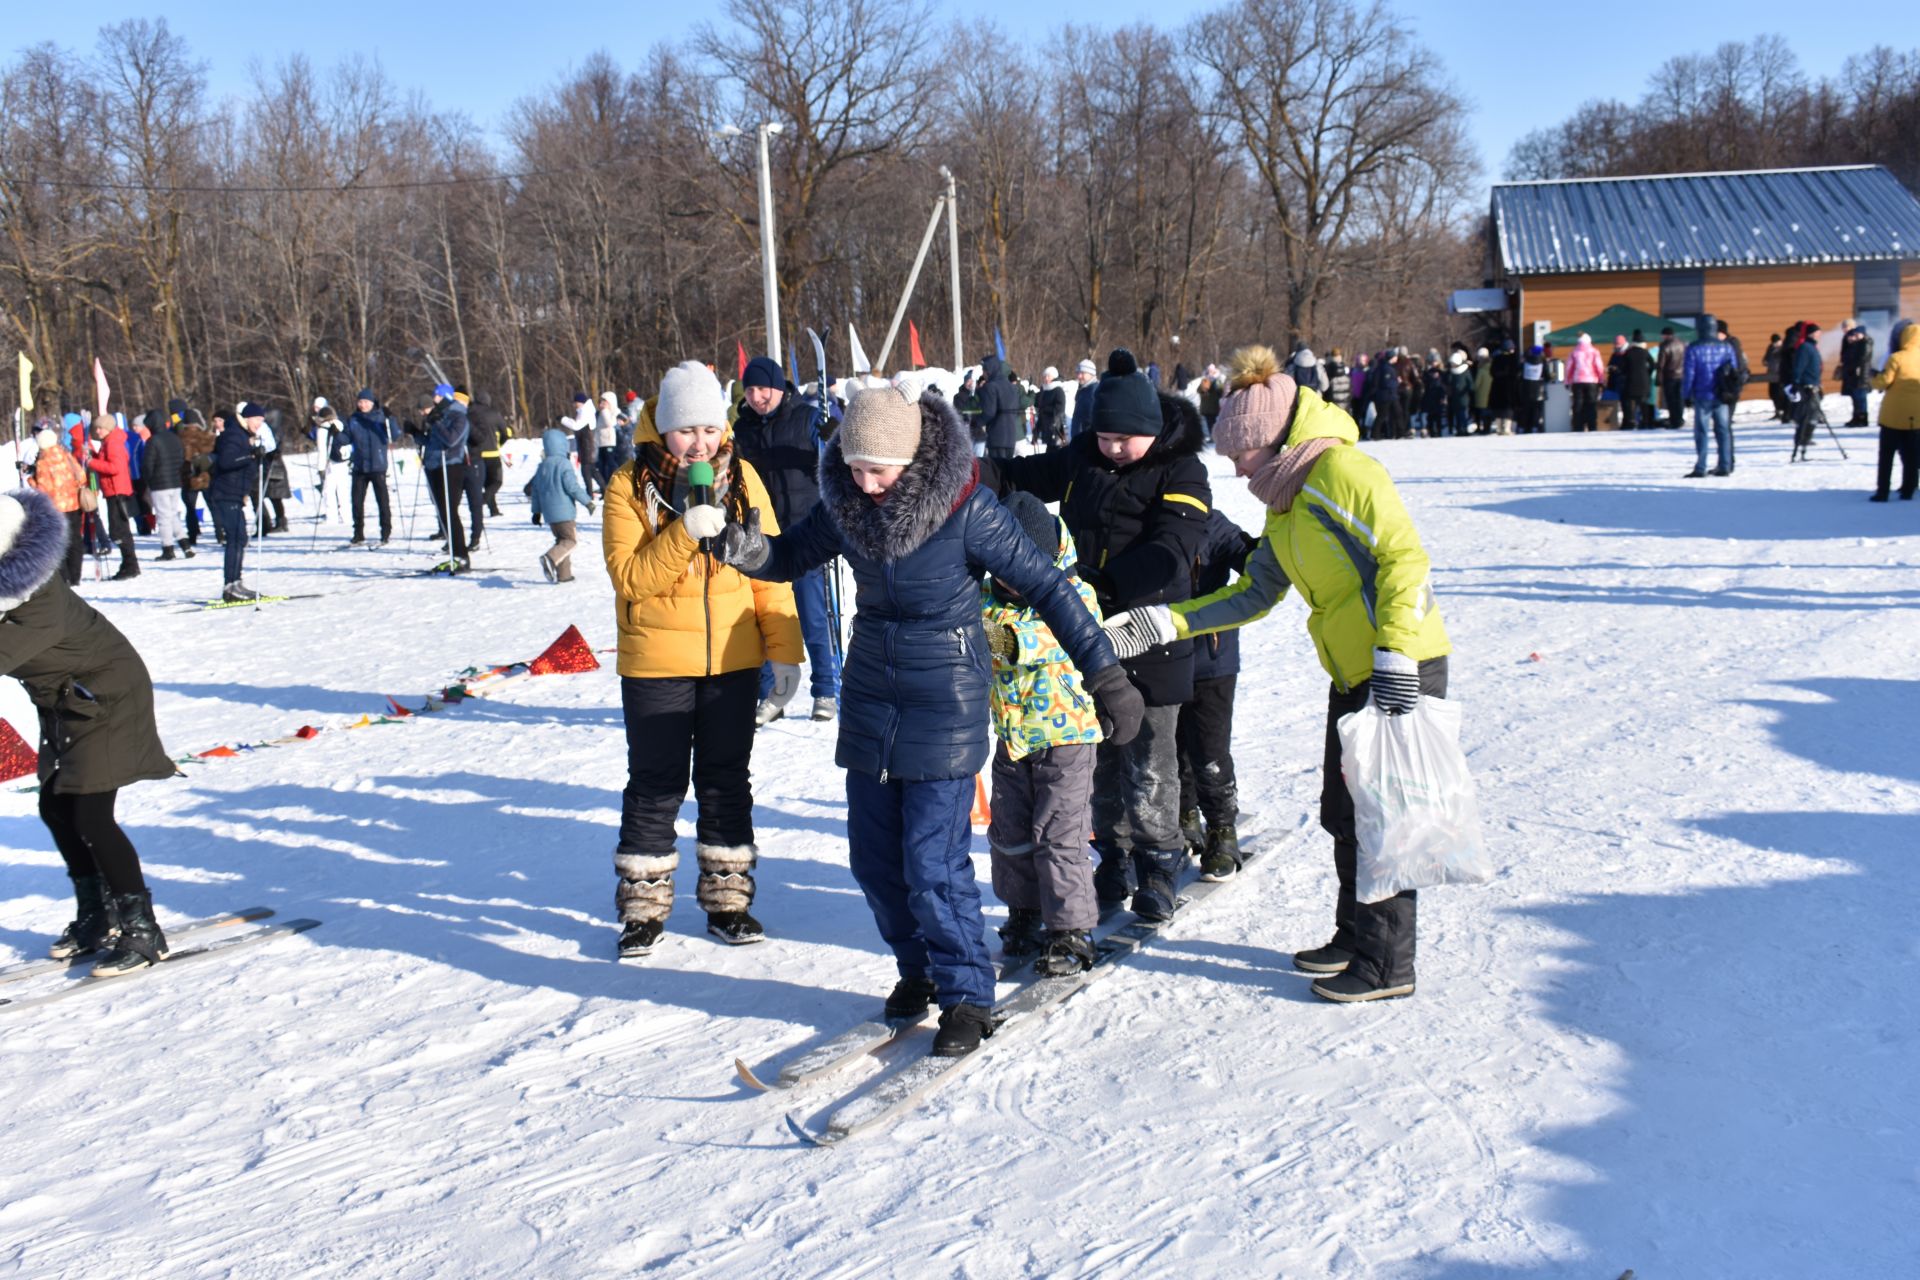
(1205, 734)
(1134, 495)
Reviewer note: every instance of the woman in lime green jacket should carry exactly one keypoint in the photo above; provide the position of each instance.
(1337, 532)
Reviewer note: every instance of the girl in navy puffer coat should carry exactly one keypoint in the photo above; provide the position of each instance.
(901, 502)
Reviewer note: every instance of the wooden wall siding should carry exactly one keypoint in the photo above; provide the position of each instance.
(1909, 288)
(1565, 300)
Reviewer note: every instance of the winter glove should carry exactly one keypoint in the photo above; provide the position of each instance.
(1134, 631)
(786, 682)
(591, 509)
(1002, 643)
(1117, 703)
(1396, 682)
(743, 545)
(704, 522)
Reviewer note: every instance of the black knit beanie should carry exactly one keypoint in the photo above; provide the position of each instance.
(1040, 525)
(1126, 403)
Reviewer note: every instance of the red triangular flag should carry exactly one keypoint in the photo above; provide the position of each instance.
(570, 653)
(396, 708)
(913, 345)
(741, 348)
(17, 759)
(218, 753)
(306, 731)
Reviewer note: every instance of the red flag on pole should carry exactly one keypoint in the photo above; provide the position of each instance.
(741, 348)
(913, 345)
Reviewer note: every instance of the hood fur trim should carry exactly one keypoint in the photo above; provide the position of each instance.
(934, 484)
(36, 552)
(1181, 431)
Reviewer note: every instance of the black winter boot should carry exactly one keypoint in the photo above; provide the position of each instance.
(638, 936)
(1023, 934)
(1190, 832)
(92, 922)
(139, 942)
(735, 928)
(910, 999)
(1222, 857)
(1350, 987)
(1159, 872)
(962, 1028)
(166, 553)
(1069, 951)
(1113, 878)
(1332, 958)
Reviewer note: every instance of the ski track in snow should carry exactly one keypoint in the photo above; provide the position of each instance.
(1677, 1034)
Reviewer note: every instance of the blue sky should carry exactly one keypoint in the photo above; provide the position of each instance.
(1520, 66)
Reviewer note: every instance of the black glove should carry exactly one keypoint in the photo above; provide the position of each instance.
(743, 545)
(1396, 682)
(1117, 703)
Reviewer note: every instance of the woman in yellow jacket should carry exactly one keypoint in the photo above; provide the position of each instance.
(693, 634)
(1338, 533)
(1900, 412)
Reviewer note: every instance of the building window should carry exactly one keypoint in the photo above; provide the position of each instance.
(1876, 286)
(1683, 294)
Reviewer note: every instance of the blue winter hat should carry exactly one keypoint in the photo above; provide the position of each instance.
(366, 393)
(1534, 353)
(763, 372)
(252, 410)
(443, 389)
(1126, 403)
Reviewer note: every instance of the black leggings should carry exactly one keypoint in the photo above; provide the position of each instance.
(90, 840)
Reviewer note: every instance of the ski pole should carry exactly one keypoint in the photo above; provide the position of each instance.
(1830, 431)
(446, 506)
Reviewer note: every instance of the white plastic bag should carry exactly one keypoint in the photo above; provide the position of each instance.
(1413, 805)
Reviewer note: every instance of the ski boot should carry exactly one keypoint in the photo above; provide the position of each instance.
(1023, 934)
(92, 923)
(1221, 858)
(1069, 951)
(1190, 832)
(139, 942)
(1159, 876)
(962, 1028)
(910, 999)
(1113, 878)
(238, 592)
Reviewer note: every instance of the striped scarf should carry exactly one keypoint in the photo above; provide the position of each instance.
(659, 479)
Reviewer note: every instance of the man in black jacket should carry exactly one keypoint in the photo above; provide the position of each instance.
(1000, 414)
(486, 428)
(773, 433)
(1632, 369)
(162, 465)
(1050, 410)
(1134, 494)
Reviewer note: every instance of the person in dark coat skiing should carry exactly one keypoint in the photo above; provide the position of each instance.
(235, 466)
(364, 445)
(1000, 413)
(97, 734)
(901, 501)
(445, 462)
(486, 428)
(773, 432)
(1134, 495)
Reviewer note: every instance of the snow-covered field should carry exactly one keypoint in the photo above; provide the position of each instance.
(1679, 1033)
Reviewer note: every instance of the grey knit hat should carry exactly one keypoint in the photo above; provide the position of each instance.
(690, 396)
(881, 426)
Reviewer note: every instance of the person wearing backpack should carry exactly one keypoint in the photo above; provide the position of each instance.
(1711, 366)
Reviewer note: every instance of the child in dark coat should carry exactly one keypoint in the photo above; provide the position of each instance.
(900, 501)
(1207, 787)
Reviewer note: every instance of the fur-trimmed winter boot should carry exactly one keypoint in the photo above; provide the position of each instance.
(643, 898)
(92, 922)
(725, 891)
(139, 941)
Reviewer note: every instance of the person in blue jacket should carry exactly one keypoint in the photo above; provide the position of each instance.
(556, 492)
(236, 475)
(366, 437)
(445, 462)
(1711, 410)
(901, 502)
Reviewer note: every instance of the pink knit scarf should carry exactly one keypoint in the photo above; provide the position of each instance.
(1277, 483)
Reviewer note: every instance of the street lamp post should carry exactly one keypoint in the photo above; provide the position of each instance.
(769, 276)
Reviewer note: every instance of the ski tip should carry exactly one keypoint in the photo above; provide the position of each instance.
(808, 1137)
(747, 1078)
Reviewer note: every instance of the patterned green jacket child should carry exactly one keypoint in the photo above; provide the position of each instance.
(1042, 769)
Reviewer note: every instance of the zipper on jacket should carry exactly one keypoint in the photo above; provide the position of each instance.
(892, 632)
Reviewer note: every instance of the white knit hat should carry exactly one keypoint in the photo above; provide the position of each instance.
(690, 396)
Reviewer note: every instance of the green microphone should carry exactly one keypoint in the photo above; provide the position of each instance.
(700, 490)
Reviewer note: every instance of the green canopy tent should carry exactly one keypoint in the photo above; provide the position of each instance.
(1619, 321)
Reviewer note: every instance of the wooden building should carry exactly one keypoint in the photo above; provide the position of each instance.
(1759, 250)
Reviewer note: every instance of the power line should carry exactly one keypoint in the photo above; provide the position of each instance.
(96, 184)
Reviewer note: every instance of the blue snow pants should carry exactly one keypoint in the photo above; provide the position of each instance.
(908, 846)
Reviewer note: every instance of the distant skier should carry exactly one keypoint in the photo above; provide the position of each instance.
(901, 502)
(97, 734)
(693, 633)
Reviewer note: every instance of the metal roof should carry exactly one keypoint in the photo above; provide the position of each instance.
(1767, 217)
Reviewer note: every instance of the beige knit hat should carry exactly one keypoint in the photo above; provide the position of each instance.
(690, 396)
(1255, 415)
(881, 426)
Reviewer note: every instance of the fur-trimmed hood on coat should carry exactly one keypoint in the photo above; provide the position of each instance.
(943, 472)
(37, 550)
(1181, 431)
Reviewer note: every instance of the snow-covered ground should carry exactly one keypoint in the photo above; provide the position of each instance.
(1679, 1033)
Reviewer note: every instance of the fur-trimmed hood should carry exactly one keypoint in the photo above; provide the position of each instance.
(1181, 431)
(37, 550)
(943, 472)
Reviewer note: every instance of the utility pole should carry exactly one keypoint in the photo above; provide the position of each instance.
(953, 252)
(766, 246)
